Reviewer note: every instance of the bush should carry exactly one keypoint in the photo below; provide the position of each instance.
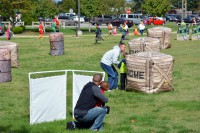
(24, 28)
(17, 30)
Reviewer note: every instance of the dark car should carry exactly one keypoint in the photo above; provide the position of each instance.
(119, 21)
(2, 31)
(169, 18)
(178, 18)
(102, 19)
(189, 19)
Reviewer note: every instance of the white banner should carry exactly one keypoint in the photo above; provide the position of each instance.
(48, 95)
(47, 99)
(79, 81)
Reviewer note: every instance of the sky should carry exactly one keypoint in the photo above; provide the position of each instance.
(57, 0)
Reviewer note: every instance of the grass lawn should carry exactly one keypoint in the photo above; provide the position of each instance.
(131, 112)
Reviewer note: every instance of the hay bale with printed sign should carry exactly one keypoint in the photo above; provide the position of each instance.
(5, 65)
(149, 72)
(56, 43)
(163, 34)
(144, 44)
(14, 52)
(183, 32)
(196, 32)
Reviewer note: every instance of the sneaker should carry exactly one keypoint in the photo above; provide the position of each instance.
(71, 125)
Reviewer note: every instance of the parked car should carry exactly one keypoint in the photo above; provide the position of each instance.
(146, 20)
(156, 21)
(2, 31)
(45, 19)
(69, 22)
(170, 18)
(102, 19)
(135, 17)
(63, 16)
(82, 20)
(86, 18)
(189, 18)
(178, 18)
(119, 21)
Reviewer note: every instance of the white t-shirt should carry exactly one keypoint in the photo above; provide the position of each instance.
(141, 27)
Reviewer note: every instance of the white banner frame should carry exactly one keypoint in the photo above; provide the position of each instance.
(65, 72)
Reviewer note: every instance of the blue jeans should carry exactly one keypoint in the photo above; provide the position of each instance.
(97, 115)
(112, 75)
(141, 32)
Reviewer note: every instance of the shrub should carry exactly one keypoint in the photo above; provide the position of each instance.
(24, 28)
(17, 30)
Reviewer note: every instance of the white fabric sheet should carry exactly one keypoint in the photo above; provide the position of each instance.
(47, 99)
(79, 81)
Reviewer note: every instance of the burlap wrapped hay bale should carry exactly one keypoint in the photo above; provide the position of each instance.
(149, 72)
(14, 52)
(144, 44)
(163, 34)
(5, 65)
(56, 43)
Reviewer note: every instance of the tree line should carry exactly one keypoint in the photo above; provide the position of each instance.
(31, 10)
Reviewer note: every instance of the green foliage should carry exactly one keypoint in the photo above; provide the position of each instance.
(156, 7)
(45, 9)
(90, 8)
(65, 5)
(8, 8)
(192, 5)
(17, 30)
(23, 27)
(93, 8)
(30, 15)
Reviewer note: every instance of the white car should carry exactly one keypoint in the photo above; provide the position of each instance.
(82, 20)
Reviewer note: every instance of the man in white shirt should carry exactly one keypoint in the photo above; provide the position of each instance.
(107, 63)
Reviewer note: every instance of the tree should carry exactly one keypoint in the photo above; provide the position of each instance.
(117, 6)
(137, 5)
(8, 8)
(46, 9)
(156, 7)
(65, 5)
(89, 8)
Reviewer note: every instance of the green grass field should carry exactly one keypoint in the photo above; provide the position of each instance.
(131, 112)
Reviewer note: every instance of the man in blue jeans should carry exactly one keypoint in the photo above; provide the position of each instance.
(85, 111)
(107, 63)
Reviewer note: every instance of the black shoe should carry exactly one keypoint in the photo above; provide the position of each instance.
(71, 125)
(108, 109)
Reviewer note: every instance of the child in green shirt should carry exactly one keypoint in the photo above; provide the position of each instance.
(123, 70)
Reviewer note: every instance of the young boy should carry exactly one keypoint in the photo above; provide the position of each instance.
(8, 33)
(104, 87)
(98, 34)
(41, 30)
(123, 69)
(110, 28)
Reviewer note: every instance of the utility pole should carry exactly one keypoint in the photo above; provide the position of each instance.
(79, 32)
(184, 8)
(78, 14)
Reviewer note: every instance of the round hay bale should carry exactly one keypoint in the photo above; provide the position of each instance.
(144, 44)
(56, 43)
(14, 52)
(5, 65)
(149, 72)
(163, 34)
